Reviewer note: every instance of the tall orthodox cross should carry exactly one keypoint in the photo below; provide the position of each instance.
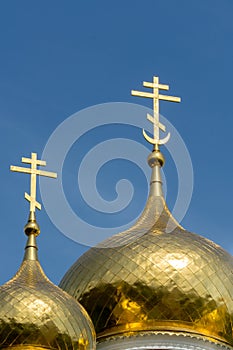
(34, 172)
(156, 96)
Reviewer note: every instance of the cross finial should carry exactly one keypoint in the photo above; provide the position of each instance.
(155, 95)
(34, 172)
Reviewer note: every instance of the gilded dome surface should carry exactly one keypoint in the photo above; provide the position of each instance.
(157, 277)
(34, 313)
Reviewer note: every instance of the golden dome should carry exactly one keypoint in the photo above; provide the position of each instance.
(156, 277)
(34, 313)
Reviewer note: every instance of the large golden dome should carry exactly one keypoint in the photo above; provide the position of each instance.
(36, 314)
(156, 277)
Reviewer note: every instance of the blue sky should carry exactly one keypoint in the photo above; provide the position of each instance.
(60, 57)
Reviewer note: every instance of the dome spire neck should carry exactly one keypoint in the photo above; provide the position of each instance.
(156, 161)
(32, 230)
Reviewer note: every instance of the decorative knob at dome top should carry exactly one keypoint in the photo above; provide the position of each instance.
(32, 227)
(156, 158)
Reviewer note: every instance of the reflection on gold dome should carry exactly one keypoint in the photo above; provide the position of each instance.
(178, 261)
(150, 278)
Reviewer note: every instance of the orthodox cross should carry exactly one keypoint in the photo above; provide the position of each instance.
(155, 95)
(34, 172)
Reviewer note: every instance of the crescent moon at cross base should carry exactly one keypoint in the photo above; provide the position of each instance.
(154, 141)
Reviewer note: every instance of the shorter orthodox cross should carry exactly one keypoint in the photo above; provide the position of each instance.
(34, 172)
(155, 95)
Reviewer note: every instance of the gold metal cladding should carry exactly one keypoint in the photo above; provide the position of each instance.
(155, 140)
(146, 279)
(36, 314)
(34, 172)
(170, 282)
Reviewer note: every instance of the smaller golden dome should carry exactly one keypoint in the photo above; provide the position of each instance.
(34, 313)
